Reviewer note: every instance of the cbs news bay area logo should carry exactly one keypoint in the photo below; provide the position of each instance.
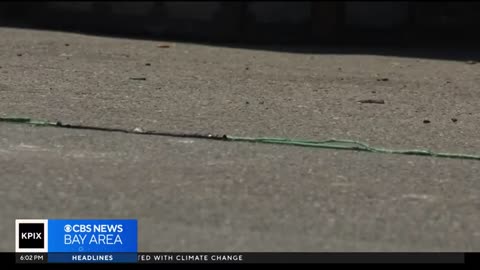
(109, 234)
(75, 236)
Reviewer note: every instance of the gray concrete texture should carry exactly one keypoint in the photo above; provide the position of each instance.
(197, 195)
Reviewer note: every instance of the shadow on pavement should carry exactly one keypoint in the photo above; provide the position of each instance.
(447, 45)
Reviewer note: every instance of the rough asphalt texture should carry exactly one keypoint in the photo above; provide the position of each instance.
(199, 195)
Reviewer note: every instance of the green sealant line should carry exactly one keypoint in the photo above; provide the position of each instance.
(329, 144)
(351, 145)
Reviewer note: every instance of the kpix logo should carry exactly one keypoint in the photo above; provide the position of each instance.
(31, 231)
(31, 235)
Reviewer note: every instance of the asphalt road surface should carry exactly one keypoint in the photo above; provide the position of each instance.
(201, 195)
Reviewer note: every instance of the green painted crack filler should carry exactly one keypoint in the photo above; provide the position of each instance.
(329, 144)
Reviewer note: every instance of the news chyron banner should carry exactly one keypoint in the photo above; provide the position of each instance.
(76, 241)
(115, 241)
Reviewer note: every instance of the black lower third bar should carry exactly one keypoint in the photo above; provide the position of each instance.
(282, 257)
(295, 257)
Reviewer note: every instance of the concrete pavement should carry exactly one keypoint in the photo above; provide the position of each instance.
(196, 195)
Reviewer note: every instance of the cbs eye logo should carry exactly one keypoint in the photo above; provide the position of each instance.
(31, 235)
(67, 228)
